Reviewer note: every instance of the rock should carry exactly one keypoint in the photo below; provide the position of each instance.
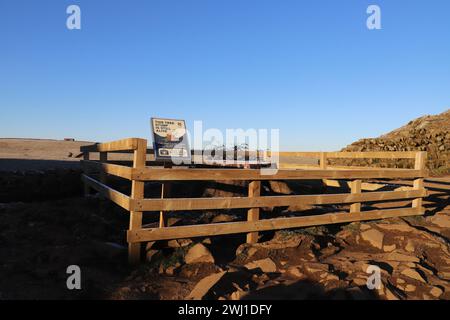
(344, 234)
(295, 271)
(266, 265)
(364, 227)
(238, 295)
(275, 244)
(389, 294)
(374, 237)
(184, 242)
(396, 227)
(260, 278)
(172, 221)
(389, 248)
(360, 282)
(197, 254)
(300, 207)
(173, 244)
(251, 251)
(328, 251)
(413, 274)
(179, 243)
(170, 270)
(280, 187)
(409, 246)
(312, 267)
(149, 255)
(410, 288)
(441, 220)
(436, 292)
(204, 285)
(222, 218)
(332, 277)
(444, 275)
(395, 256)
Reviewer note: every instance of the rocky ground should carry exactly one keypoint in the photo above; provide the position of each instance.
(45, 226)
(39, 240)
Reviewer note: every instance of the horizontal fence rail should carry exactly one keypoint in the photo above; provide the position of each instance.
(141, 170)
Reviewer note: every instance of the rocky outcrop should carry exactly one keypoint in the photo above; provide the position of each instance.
(427, 133)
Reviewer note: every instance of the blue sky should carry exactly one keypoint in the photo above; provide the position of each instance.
(310, 68)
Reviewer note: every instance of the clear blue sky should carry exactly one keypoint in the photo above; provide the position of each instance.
(310, 68)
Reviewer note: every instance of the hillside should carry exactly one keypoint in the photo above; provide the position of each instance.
(429, 133)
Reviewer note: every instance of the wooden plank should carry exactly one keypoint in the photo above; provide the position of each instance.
(103, 160)
(108, 168)
(207, 230)
(109, 193)
(374, 155)
(185, 174)
(254, 190)
(288, 154)
(119, 145)
(137, 193)
(356, 188)
(179, 204)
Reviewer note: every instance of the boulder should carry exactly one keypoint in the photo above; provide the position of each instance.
(198, 254)
(401, 227)
(222, 218)
(441, 220)
(204, 285)
(413, 274)
(389, 248)
(410, 288)
(374, 237)
(436, 292)
(238, 295)
(266, 265)
(409, 246)
(280, 187)
(313, 267)
(295, 271)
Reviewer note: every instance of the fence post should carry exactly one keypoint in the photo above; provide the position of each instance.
(355, 188)
(103, 159)
(254, 190)
(323, 160)
(165, 190)
(419, 164)
(86, 171)
(137, 193)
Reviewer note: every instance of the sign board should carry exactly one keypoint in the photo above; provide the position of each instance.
(170, 141)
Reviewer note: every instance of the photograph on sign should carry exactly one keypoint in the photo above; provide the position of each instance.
(170, 140)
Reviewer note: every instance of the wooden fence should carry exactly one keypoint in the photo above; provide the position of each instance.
(141, 170)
